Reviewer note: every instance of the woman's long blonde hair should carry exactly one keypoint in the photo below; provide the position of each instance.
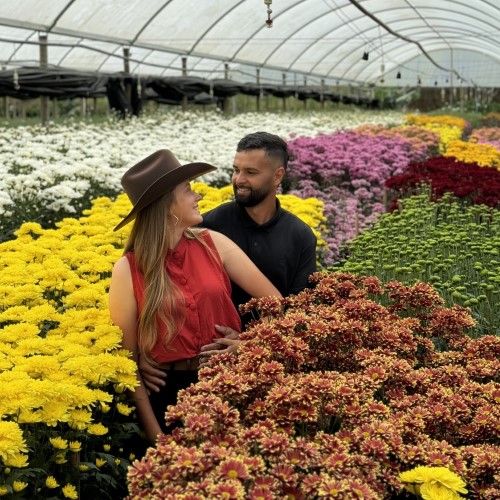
(150, 238)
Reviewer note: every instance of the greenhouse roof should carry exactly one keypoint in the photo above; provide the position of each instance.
(436, 42)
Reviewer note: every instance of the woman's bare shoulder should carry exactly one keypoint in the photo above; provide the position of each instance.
(121, 267)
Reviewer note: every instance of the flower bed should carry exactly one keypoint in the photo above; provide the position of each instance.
(336, 398)
(64, 417)
(47, 174)
(449, 128)
(353, 386)
(485, 155)
(447, 175)
(422, 138)
(486, 135)
(455, 247)
(347, 172)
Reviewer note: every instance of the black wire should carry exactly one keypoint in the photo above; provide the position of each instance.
(409, 40)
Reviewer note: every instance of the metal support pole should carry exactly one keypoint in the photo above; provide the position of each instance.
(184, 73)
(126, 60)
(322, 99)
(226, 102)
(257, 102)
(305, 87)
(44, 100)
(451, 77)
(126, 70)
(284, 84)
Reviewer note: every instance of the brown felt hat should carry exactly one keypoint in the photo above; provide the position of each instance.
(155, 176)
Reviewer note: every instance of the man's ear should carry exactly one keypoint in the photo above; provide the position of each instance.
(279, 173)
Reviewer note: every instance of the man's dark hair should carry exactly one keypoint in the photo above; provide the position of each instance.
(274, 146)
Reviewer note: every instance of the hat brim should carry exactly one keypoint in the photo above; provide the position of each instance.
(165, 184)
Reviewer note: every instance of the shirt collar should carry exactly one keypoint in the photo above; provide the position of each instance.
(249, 222)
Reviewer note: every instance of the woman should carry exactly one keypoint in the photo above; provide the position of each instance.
(172, 287)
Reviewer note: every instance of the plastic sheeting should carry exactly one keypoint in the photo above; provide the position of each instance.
(319, 39)
(126, 93)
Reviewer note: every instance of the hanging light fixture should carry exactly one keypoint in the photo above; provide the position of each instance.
(365, 56)
(419, 81)
(269, 21)
(398, 75)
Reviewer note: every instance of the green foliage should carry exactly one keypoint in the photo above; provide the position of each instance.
(453, 246)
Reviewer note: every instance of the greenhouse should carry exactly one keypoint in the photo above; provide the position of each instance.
(250, 249)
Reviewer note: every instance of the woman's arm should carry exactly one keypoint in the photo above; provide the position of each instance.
(123, 311)
(240, 269)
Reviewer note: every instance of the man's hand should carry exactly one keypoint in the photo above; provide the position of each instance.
(217, 347)
(152, 377)
(223, 346)
(227, 332)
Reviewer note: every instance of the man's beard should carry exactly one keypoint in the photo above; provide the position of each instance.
(252, 198)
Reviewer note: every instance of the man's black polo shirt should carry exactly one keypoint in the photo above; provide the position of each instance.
(284, 248)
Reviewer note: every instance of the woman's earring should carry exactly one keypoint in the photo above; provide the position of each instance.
(176, 219)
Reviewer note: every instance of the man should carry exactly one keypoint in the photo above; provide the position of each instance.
(281, 245)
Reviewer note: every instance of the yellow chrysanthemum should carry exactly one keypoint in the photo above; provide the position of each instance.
(18, 486)
(60, 458)
(79, 419)
(18, 331)
(59, 443)
(436, 491)
(54, 412)
(75, 446)
(105, 408)
(42, 313)
(51, 482)
(16, 460)
(97, 429)
(69, 491)
(17, 391)
(29, 417)
(3, 490)
(29, 228)
(124, 409)
(108, 342)
(100, 462)
(15, 313)
(434, 475)
(11, 441)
